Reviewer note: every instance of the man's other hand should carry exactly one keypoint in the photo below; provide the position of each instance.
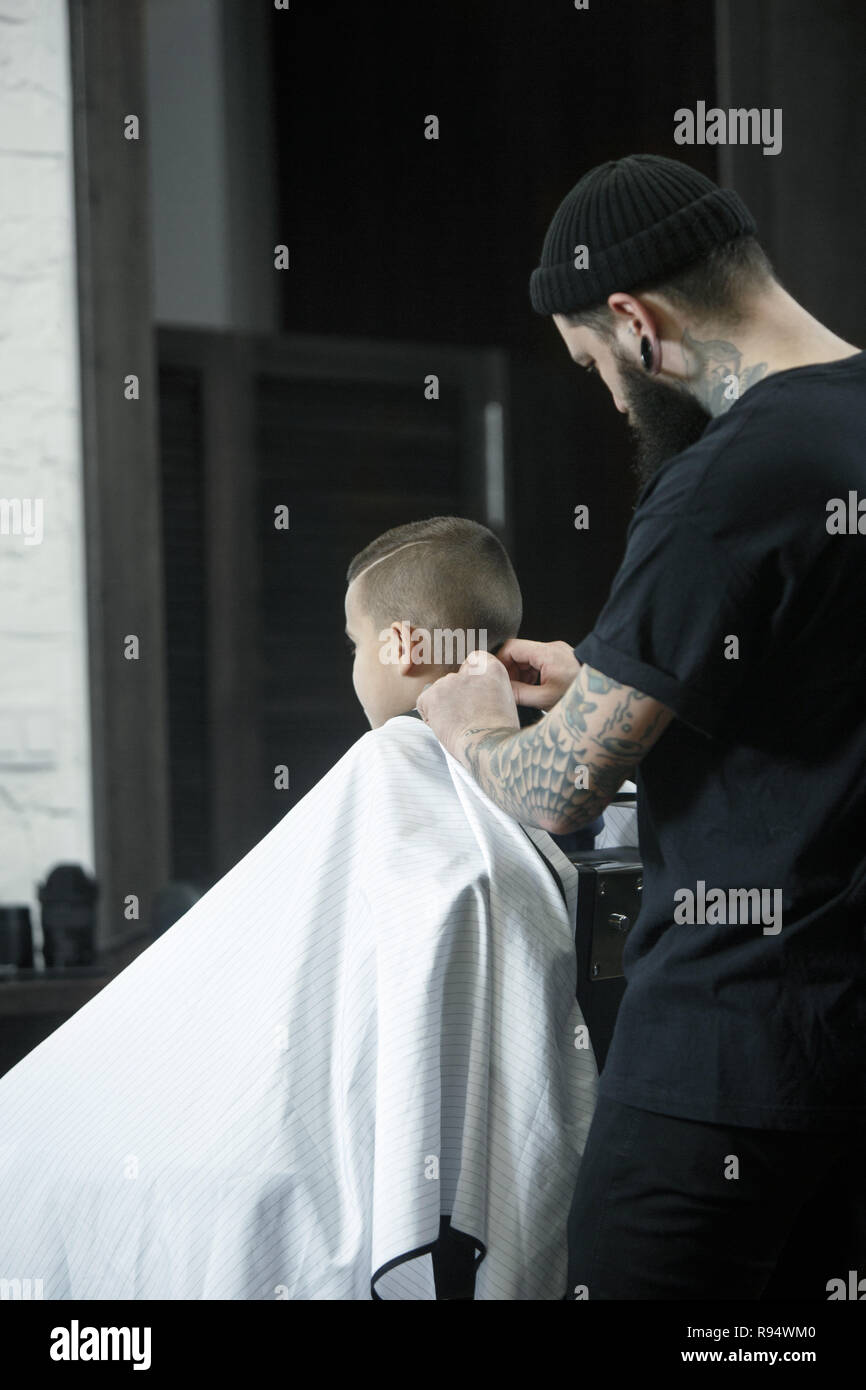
(540, 672)
(477, 697)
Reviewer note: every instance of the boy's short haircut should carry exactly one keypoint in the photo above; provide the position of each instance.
(442, 573)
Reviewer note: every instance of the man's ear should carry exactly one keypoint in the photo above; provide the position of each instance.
(638, 314)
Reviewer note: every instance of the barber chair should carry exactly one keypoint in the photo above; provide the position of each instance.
(610, 882)
(608, 902)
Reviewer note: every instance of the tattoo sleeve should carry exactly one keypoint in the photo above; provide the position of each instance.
(560, 773)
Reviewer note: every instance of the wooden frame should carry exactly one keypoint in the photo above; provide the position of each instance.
(228, 365)
(121, 477)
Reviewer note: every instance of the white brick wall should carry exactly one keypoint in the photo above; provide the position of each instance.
(45, 784)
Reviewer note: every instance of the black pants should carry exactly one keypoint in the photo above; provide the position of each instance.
(655, 1217)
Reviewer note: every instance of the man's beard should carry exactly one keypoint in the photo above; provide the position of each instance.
(663, 420)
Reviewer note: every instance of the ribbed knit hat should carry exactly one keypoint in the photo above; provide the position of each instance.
(640, 217)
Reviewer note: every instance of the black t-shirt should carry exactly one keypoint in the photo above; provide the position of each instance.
(760, 783)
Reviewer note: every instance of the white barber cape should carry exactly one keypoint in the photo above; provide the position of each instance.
(368, 1022)
(620, 823)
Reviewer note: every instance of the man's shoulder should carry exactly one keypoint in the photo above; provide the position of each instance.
(713, 467)
(776, 443)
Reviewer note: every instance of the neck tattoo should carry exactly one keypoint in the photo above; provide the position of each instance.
(719, 374)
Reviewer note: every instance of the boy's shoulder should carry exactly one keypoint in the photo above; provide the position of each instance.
(405, 743)
(406, 732)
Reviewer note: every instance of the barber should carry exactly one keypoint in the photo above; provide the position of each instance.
(727, 672)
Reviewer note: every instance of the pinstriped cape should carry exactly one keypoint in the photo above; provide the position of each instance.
(368, 1022)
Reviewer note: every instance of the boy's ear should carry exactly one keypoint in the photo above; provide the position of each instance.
(412, 648)
(401, 647)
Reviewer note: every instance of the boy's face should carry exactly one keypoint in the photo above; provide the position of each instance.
(384, 688)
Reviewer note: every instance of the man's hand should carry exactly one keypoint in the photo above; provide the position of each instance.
(478, 696)
(560, 773)
(540, 672)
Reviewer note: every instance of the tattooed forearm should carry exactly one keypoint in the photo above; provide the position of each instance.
(560, 774)
(718, 373)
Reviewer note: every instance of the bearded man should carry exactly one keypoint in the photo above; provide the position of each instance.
(727, 673)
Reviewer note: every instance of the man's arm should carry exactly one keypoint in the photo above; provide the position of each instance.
(558, 774)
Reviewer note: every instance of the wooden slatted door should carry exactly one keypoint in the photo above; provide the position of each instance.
(342, 435)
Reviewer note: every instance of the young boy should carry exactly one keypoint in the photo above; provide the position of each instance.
(419, 599)
(441, 574)
(364, 1029)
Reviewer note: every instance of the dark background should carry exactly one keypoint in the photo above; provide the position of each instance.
(408, 250)
(305, 387)
(408, 257)
(434, 241)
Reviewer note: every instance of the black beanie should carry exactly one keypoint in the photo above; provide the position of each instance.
(640, 218)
